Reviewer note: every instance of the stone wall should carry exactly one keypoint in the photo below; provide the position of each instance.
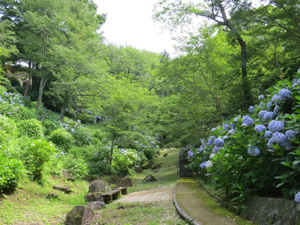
(271, 211)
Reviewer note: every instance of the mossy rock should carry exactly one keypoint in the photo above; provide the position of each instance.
(99, 186)
(147, 165)
(125, 182)
(91, 197)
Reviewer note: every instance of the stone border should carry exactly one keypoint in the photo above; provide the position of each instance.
(182, 213)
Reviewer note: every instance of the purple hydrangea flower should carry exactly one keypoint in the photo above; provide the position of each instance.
(261, 113)
(251, 109)
(247, 120)
(253, 151)
(275, 126)
(269, 105)
(297, 197)
(202, 165)
(211, 140)
(276, 110)
(277, 137)
(190, 154)
(296, 82)
(284, 94)
(275, 98)
(216, 149)
(200, 150)
(290, 134)
(233, 126)
(260, 128)
(236, 119)
(226, 127)
(268, 116)
(219, 142)
(231, 131)
(268, 134)
(261, 97)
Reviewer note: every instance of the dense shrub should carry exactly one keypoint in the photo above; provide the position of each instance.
(75, 165)
(31, 128)
(61, 138)
(124, 159)
(81, 137)
(259, 153)
(11, 171)
(50, 125)
(8, 125)
(35, 155)
(96, 156)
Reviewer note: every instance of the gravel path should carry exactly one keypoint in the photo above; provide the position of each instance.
(156, 195)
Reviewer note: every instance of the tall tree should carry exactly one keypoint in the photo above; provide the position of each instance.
(177, 12)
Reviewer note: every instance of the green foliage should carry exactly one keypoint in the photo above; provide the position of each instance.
(35, 154)
(11, 171)
(61, 138)
(81, 137)
(8, 126)
(31, 128)
(75, 165)
(50, 126)
(125, 159)
(274, 167)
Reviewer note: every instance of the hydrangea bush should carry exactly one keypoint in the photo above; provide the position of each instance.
(260, 154)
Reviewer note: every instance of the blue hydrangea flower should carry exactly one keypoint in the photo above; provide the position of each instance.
(275, 126)
(296, 82)
(284, 94)
(247, 120)
(276, 110)
(225, 137)
(231, 131)
(277, 137)
(200, 150)
(261, 113)
(202, 165)
(202, 142)
(268, 116)
(290, 134)
(275, 98)
(216, 149)
(268, 134)
(211, 140)
(213, 129)
(190, 154)
(219, 142)
(226, 127)
(269, 105)
(233, 126)
(251, 109)
(297, 197)
(261, 104)
(260, 128)
(62, 153)
(261, 97)
(236, 119)
(253, 151)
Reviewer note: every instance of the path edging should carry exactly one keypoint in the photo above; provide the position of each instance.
(181, 212)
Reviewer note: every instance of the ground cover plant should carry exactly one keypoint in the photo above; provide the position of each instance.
(257, 153)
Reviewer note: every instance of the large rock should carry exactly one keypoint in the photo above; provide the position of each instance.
(91, 197)
(125, 182)
(63, 188)
(96, 205)
(149, 178)
(67, 175)
(79, 215)
(147, 165)
(99, 186)
(138, 169)
(273, 211)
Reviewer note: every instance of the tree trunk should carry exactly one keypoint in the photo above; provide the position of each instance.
(112, 150)
(41, 89)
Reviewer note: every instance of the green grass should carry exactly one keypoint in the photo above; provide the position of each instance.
(166, 176)
(28, 204)
(139, 214)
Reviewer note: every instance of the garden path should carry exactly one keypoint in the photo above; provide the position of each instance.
(164, 194)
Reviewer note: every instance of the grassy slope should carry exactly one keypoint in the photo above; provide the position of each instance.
(29, 205)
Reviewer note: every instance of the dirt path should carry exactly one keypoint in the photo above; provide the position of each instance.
(156, 195)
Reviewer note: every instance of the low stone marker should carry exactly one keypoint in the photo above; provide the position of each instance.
(63, 188)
